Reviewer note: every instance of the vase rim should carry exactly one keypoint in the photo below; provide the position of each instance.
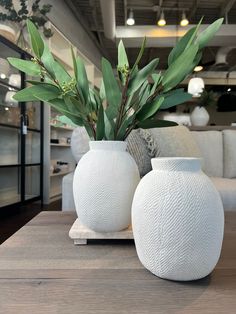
(176, 163)
(108, 145)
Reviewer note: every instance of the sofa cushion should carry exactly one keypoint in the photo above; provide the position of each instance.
(175, 141)
(229, 143)
(211, 146)
(227, 189)
(139, 148)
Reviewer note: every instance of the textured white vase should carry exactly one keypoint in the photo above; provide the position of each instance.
(178, 220)
(199, 116)
(104, 184)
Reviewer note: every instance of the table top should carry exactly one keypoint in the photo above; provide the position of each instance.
(41, 271)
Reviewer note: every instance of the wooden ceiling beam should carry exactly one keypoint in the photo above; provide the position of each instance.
(84, 24)
(193, 9)
(226, 7)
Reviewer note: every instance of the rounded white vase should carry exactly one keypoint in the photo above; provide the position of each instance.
(199, 116)
(177, 220)
(104, 184)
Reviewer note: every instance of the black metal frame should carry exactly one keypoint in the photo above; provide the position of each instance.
(8, 209)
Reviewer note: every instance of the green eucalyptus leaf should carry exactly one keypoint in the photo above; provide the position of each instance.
(181, 67)
(144, 93)
(75, 106)
(205, 36)
(80, 106)
(44, 92)
(123, 128)
(48, 61)
(102, 92)
(157, 80)
(82, 80)
(25, 66)
(37, 43)
(113, 93)
(60, 105)
(139, 55)
(155, 123)
(61, 74)
(100, 130)
(122, 56)
(109, 128)
(149, 109)
(141, 76)
(180, 46)
(185, 42)
(175, 98)
(66, 120)
(74, 63)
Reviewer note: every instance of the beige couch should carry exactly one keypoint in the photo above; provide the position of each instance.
(217, 149)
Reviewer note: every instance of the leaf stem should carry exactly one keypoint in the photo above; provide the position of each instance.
(124, 98)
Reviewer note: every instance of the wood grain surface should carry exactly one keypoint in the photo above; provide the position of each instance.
(41, 271)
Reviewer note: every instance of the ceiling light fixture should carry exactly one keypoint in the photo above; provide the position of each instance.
(161, 21)
(184, 21)
(198, 68)
(196, 86)
(130, 20)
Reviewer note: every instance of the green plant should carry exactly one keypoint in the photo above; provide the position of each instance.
(207, 99)
(37, 14)
(123, 104)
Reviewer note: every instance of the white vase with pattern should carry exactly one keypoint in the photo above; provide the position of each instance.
(199, 116)
(177, 220)
(104, 184)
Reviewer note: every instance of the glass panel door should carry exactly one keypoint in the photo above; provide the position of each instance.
(20, 149)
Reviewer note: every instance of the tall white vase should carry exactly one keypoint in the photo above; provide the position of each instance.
(199, 116)
(178, 220)
(104, 184)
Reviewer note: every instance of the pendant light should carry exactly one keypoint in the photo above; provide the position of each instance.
(184, 21)
(130, 20)
(161, 21)
(196, 86)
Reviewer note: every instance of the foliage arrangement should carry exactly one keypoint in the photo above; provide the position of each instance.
(207, 99)
(37, 14)
(124, 103)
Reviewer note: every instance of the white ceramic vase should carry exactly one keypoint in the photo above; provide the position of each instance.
(178, 220)
(199, 116)
(104, 184)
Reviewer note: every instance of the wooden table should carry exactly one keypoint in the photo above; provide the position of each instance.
(41, 271)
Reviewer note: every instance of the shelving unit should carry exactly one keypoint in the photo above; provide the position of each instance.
(54, 152)
(60, 145)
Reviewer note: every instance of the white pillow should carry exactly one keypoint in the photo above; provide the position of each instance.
(229, 140)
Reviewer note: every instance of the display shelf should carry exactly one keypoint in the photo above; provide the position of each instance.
(61, 173)
(7, 200)
(60, 145)
(61, 127)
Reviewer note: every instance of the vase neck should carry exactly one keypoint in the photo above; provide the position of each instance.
(176, 164)
(108, 145)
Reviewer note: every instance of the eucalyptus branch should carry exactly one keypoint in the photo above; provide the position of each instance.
(155, 94)
(124, 98)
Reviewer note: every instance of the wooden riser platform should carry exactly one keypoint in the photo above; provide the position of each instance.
(80, 234)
